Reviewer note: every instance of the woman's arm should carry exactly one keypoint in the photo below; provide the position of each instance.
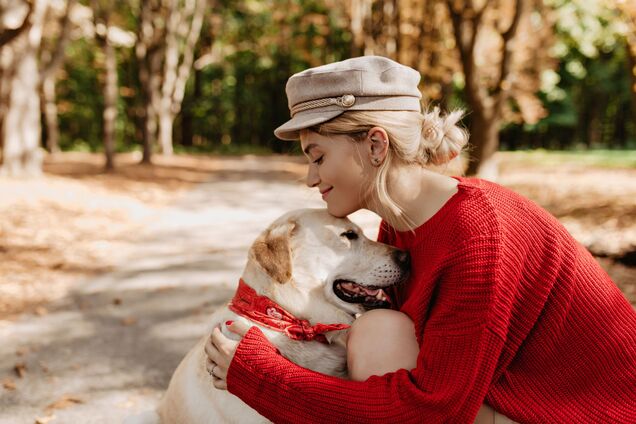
(446, 387)
(458, 357)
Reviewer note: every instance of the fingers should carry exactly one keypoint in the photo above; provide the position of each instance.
(219, 384)
(211, 351)
(219, 379)
(238, 327)
(218, 340)
(215, 370)
(220, 350)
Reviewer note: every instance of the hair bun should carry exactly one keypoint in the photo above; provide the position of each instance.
(442, 139)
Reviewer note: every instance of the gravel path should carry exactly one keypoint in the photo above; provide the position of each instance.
(109, 349)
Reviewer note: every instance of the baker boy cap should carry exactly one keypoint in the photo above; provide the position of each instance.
(319, 94)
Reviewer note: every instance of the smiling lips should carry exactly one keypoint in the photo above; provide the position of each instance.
(325, 193)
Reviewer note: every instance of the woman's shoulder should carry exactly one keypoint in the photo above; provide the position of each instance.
(512, 214)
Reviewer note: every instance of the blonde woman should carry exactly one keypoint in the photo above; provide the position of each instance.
(503, 307)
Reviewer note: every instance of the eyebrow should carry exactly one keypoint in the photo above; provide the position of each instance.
(308, 148)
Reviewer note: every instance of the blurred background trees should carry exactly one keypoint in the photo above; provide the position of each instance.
(209, 75)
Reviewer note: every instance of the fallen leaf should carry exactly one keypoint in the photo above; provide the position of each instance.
(45, 420)
(20, 369)
(22, 351)
(41, 310)
(64, 402)
(8, 383)
(129, 321)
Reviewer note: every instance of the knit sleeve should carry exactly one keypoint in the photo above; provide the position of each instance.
(457, 359)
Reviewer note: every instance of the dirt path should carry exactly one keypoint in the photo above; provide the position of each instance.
(108, 346)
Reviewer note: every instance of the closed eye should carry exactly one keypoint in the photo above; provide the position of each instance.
(319, 160)
(350, 235)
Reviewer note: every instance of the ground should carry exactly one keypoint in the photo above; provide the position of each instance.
(77, 220)
(106, 280)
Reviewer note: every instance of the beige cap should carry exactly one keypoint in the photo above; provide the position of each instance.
(319, 94)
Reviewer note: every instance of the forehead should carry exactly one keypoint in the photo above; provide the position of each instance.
(310, 139)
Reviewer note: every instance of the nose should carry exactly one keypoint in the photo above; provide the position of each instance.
(312, 177)
(402, 259)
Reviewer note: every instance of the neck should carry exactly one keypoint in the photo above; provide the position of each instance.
(420, 193)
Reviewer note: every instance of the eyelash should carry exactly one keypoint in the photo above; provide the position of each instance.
(319, 160)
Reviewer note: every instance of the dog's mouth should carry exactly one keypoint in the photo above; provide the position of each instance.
(371, 297)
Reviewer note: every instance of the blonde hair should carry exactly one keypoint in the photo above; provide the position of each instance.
(428, 139)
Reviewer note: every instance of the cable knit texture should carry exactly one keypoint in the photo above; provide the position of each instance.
(508, 309)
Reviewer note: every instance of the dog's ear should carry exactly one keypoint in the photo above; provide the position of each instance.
(272, 251)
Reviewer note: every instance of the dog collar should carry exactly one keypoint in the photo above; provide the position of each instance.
(263, 310)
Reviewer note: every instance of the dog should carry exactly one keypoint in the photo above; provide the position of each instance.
(307, 265)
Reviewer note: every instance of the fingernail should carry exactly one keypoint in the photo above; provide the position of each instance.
(228, 322)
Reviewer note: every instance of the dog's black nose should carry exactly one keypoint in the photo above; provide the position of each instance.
(402, 258)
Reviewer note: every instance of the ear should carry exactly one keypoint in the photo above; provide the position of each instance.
(272, 252)
(378, 143)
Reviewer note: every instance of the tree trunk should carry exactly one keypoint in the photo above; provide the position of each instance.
(50, 115)
(182, 33)
(21, 126)
(484, 132)
(110, 103)
(50, 62)
(166, 121)
(149, 130)
(147, 116)
(631, 61)
(486, 105)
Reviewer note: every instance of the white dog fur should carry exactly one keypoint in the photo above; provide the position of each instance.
(295, 263)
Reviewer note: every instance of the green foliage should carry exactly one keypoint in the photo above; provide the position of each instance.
(79, 107)
(235, 98)
(589, 98)
(602, 158)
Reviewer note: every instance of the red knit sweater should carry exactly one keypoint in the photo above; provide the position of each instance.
(508, 309)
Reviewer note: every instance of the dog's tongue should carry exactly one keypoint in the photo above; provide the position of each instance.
(370, 292)
(377, 293)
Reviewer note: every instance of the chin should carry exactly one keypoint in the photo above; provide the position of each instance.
(340, 212)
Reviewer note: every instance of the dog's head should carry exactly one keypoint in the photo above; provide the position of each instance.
(315, 265)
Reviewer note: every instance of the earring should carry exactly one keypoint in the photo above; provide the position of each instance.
(376, 161)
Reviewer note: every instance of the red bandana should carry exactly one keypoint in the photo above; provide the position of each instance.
(249, 304)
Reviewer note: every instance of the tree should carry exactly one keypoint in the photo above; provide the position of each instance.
(628, 12)
(168, 33)
(495, 46)
(51, 59)
(502, 53)
(19, 90)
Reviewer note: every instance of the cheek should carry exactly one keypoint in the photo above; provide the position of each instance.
(349, 174)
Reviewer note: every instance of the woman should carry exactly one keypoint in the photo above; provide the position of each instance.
(506, 307)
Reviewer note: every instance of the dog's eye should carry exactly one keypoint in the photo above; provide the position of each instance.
(351, 235)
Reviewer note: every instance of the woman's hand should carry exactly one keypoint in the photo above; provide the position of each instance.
(220, 351)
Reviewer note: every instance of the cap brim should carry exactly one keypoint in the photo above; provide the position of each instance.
(290, 130)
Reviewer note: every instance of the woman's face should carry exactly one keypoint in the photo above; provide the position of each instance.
(340, 168)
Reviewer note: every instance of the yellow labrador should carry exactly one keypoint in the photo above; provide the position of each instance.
(311, 266)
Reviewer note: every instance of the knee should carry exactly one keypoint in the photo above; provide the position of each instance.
(381, 341)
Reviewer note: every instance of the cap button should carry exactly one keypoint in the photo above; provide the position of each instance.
(347, 100)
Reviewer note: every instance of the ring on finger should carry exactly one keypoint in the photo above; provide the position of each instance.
(211, 370)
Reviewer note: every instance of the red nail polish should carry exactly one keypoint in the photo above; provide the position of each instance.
(228, 322)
